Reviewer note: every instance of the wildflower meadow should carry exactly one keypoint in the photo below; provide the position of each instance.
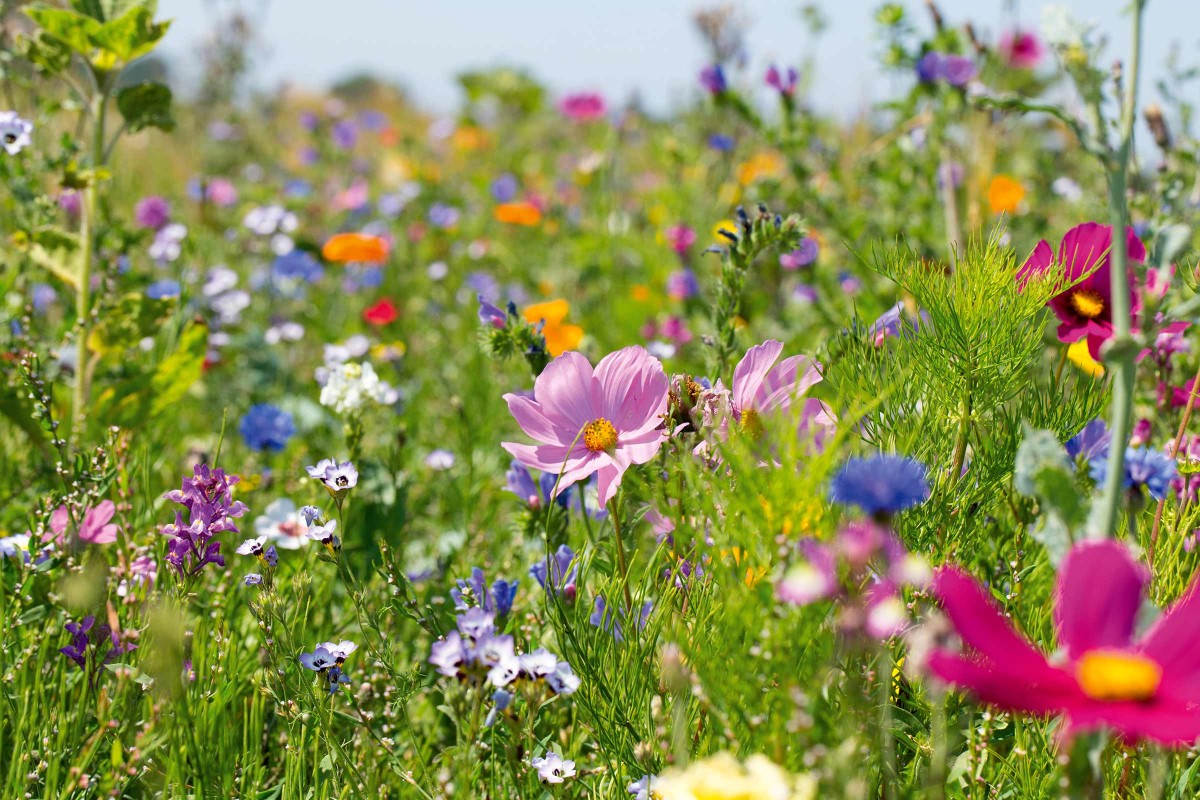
(561, 448)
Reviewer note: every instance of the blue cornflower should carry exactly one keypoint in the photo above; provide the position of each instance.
(297, 265)
(721, 142)
(1091, 443)
(161, 290)
(712, 78)
(882, 484)
(266, 427)
(1143, 467)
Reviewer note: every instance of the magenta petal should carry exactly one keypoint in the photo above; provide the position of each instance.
(1038, 263)
(752, 370)
(1045, 690)
(981, 624)
(95, 527)
(1172, 642)
(1099, 591)
(1082, 249)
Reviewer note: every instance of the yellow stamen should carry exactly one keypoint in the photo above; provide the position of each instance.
(751, 424)
(599, 435)
(1087, 303)
(1113, 675)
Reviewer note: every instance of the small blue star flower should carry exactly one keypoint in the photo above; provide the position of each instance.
(1143, 467)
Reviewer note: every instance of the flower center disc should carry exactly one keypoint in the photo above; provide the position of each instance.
(1109, 675)
(1089, 304)
(751, 423)
(599, 435)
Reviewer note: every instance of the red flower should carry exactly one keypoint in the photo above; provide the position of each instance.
(381, 313)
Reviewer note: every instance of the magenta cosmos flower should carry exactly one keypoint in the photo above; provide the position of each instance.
(583, 106)
(592, 421)
(1145, 688)
(761, 387)
(1085, 309)
(1022, 49)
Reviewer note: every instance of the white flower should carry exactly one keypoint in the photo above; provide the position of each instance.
(14, 132)
(15, 545)
(352, 386)
(281, 524)
(1067, 189)
(1062, 31)
(167, 244)
(552, 768)
(439, 460)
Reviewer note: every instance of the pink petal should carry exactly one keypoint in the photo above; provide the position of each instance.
(608, 479)
(790, 379)
(58, 522)
(1038, 262)
(95, 527)
(563, 390)
(1172, 642)
(1045, 690)
(630, 388)
(1099, 592)
(981, 624)
(642, 448)
(1082, 249)
(752, 370)
(532, 419)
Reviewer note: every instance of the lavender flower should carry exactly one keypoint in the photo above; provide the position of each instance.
(103, 644)
(14, 132)
(326, 660)
(712, 78)
(338, 478)
(474, 591)
(152, 212)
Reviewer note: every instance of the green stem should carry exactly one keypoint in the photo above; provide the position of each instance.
(1122, 350)
(83, 297)
(622, 563)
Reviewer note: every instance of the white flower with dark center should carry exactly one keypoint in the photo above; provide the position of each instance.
(14, 132)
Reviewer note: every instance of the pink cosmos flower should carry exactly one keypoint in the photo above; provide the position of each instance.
(1022, 49)
(761, 387)
(583, 106)
(1148, 688)
(592, 421)
(1085, 309)
(96, 528)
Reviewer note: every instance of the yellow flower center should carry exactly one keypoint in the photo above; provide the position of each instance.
(1113, 675)
(599, 435)
(751, 424)
(1089, 304)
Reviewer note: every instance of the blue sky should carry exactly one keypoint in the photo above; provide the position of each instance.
(616, 46)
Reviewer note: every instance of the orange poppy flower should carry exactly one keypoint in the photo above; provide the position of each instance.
(1005, 194)
(517, 214)
(559, 337)
(355, 247)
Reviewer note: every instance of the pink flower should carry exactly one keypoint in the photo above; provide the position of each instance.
(681, 238)
(1147, 688)
(761, 387)
(1085, 309)
(1022, 49)
(592, 421)
(96, 528)
(583, 106)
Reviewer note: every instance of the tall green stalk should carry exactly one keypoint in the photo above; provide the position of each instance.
(87, 233)
(1122, 350)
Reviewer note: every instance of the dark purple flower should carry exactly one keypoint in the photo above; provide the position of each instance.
(491, 316)
(104, 644)
(782, 82)
(208, 498)
(474, 592)
(712, 78)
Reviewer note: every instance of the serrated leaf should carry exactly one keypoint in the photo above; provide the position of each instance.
(146, 105)
(73, 29)
(47, 53)
(57, 252)
(129, 36)
(134, 317)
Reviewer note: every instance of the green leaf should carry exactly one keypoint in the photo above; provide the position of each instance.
(146, 105)
(47, 53)
(133, 318)
(72, 29)
(57, 252)
(129, 36)
(179, 371)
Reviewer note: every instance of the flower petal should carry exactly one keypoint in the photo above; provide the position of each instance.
(752, 370)
(980, 622)
(1099, 592)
